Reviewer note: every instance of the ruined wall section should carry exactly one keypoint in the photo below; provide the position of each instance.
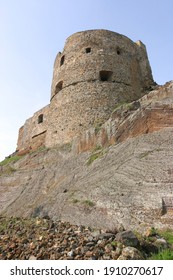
(96, 70)
(32, 134)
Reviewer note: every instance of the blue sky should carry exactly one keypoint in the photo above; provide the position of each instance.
(33, 31)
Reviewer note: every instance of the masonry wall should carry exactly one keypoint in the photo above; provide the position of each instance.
(96, 70)
(32, 134)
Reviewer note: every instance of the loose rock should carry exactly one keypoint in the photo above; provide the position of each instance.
(43, 239)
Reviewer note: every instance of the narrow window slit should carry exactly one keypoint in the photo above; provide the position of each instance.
(40, 118)
(58, 87)
(118, 51)
(62, 60)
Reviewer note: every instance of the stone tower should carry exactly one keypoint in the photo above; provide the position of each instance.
(96, 70)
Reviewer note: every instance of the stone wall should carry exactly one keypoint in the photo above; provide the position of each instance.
(87, 53)
(97, 70)
(32, 134)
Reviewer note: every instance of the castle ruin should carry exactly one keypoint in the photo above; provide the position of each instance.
(96, 70)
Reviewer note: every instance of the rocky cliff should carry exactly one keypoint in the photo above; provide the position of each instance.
(118, 172)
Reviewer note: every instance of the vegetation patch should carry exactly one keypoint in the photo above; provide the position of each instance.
(97, 125)
(146, 153)
(75, 200)
(114, 243)
(97, 152)
(128, 106)
(97, 128)
(168, 235)
(97, 148)
(89, 203)
(166, 254)
(93, 157)
(42, 149)
(10, 160)
(121, 104)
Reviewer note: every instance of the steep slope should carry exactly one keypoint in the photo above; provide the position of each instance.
(103, 186)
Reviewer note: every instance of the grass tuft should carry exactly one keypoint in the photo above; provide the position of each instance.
(9, 160)
(89, 203)
(97, 152)
(168, 235)
(163, 255)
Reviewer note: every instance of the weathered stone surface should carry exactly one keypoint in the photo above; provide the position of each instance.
(32, 135)
(130, 253)
(31, 258)
(128, 238)
(161, 243)
(124, 185)
(151, 113)
(105, 236)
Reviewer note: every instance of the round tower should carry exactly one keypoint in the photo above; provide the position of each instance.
(96, 70)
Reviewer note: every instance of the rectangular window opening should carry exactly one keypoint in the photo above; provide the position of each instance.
(88, 50)
(105, 75)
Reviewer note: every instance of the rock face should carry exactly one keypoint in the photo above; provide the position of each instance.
(96, 70)
(128, 238)
(151, 113)
(105, 185)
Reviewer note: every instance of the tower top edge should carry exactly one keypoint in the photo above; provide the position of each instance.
(101, 32)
